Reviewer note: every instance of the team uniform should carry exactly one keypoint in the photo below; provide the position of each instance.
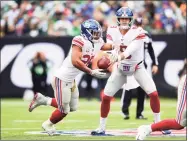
(65, 89)
(170, 124)
(129, 46)
(132, 42)
(133, 86)
(131, 82)
(64, 85)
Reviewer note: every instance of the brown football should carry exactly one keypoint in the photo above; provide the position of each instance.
(103, 63)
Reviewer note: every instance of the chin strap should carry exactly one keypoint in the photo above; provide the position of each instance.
(92, 43)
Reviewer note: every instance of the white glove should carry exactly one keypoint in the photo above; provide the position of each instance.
(98, 73)
(113, 56)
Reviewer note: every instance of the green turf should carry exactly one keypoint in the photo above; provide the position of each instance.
(15, 120)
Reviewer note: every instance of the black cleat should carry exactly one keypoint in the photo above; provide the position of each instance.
(126, 117)
(97, 132)
(141, 117)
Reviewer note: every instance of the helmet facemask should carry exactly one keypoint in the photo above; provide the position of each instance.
(91, 30)
(124, 25)
(95, 35)
(124, 13)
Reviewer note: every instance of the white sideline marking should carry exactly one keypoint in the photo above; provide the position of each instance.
(113, 132)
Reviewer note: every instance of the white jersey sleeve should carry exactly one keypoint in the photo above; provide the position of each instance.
(134, 46)
(78, 41)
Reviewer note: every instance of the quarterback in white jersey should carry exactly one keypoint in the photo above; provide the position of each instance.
(83, 49)
(128, 42)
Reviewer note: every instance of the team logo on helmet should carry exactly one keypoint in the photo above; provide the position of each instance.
(91, 30)
(124, 12)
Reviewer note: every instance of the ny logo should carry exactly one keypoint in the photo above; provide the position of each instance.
(126, 68)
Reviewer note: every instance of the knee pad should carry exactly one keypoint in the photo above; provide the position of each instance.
(66, 108)
(183, 122)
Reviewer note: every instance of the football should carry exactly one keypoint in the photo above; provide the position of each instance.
(103, 63)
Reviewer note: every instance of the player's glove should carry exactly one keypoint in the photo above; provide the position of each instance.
(114, 57)
(99, 74)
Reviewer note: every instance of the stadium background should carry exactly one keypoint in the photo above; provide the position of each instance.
(28, 26)
(52, 24)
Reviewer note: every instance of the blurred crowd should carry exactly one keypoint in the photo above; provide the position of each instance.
(63, 18)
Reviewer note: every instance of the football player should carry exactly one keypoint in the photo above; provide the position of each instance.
(132, 84)
(83, 49)
(128, 42)
(175, 124)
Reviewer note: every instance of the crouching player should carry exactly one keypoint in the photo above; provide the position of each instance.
(174, 124)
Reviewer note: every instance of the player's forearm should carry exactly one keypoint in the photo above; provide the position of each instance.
(152, 54)
(135, 45)
(81, 66)
(122, 56)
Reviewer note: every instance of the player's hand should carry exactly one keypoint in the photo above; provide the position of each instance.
(113, 56)
(155, 69)
(98, 73)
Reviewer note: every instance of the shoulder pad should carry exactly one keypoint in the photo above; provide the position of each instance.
(78, 41)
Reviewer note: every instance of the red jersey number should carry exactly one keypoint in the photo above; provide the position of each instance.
(87, 59)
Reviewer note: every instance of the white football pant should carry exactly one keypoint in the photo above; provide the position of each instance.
(117, 79)
(66, 94)
(181, 114)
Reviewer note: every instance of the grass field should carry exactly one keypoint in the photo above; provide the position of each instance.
(16, 120)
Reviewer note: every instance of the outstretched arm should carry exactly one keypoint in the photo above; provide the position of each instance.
(129, 50)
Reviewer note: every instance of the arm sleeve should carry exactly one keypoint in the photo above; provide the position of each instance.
(152, 54)
(134, 45)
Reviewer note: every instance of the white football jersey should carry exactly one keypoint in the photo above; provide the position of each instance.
(67, 72)
(135, 33)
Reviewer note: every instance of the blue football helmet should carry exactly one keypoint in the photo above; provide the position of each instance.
(124, 12)
(91, 30)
